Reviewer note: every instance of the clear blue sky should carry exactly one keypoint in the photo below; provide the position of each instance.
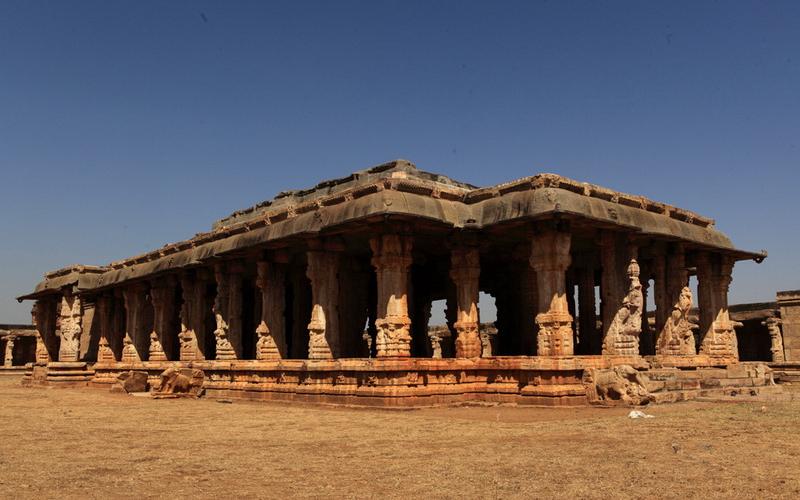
(127, 125)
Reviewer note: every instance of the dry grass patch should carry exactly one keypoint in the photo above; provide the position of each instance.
(84, 443)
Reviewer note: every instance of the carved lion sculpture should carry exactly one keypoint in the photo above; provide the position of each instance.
(619, 385)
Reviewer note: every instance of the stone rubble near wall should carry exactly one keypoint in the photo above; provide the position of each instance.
(130, 382)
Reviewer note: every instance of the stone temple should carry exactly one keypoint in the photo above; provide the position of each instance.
(325, 295)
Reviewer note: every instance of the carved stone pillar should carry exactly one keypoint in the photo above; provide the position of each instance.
(8, 359)
(71, 328)
(163, 336)
(660, 294)
(224, 349)
(189, 347)
(465, 269)
(587, 313)
(324, 340)
(647, 346)
(622, 335)
(676, 337)
(271, 330)
(622, 297)
(235, 309)
(44, 316)
(391, 257)
(105, 351)
(136, 343)
(720, 338)
(550, 258)
(776, 339)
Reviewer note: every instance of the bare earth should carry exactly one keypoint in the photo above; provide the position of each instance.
(87, 443)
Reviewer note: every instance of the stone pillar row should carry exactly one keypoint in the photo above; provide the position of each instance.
(210, 316)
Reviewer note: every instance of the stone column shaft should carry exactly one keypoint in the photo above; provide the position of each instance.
(324, 340)
(163, 336)
(621, 334)
(676, 337)
(44, 317)
(391, 257)
(271, 331)
(71, 328)
(8, 352)
(550, 258)
(465, 272)
(222, 314)
(136, 344)
(105, 350)
(719, 339)
(587, 313)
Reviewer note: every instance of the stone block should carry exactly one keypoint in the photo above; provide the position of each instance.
(132, 381)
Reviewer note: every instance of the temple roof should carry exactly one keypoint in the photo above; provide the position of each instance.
(398, 188)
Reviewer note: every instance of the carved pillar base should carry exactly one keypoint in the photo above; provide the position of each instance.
(394, 337)
(104, 352)
(555, 334)
(188, 350)
(129, 352)
(42, 356)
(156, 352)
(266, 347)
(721, 341)
(468, 341)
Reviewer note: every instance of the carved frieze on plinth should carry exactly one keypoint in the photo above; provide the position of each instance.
(623, 334)
(391, 257)
(70, 328)
(677, 337)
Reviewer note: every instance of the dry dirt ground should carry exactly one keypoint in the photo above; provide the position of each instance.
(79, 443)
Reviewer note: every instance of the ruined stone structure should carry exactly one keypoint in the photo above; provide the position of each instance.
(18, 344)
(325, 295)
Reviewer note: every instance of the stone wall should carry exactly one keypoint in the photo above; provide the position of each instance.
(789, 306)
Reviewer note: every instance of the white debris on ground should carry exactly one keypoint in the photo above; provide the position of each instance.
(639, 414)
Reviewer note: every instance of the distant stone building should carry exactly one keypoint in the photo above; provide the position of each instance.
(273, 301)
(17, 345)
